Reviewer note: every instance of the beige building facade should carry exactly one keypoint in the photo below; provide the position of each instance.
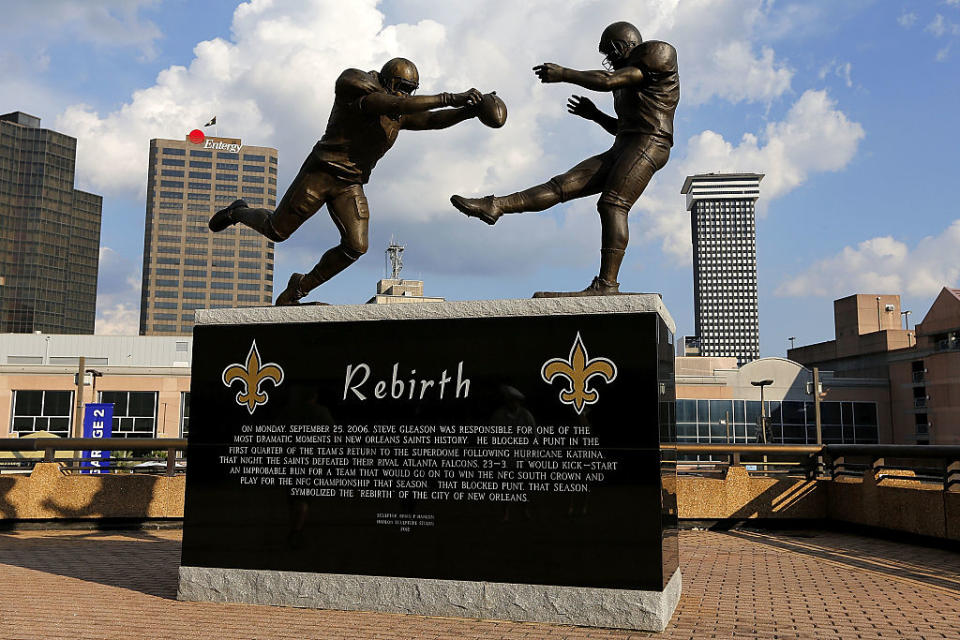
(146, 378)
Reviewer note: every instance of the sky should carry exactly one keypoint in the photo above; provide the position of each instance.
(849, 109)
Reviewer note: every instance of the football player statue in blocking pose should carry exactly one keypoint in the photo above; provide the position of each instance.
(369, 109)
(643, 79)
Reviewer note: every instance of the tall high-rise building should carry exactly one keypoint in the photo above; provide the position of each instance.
(49, 232)
(185, 266)
(723, 225)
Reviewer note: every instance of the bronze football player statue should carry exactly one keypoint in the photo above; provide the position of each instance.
(643, 79)
(369, 110)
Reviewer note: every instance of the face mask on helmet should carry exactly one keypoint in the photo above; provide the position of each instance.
(403, 85)
(614, 54)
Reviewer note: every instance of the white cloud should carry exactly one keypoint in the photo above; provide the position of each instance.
(735, 73)
(883, 265)
(941, 26)
(118, 295)
(907, 20)
(108, 23)
(813, 137)
(842, 70)
(937, 26)
(270, 83)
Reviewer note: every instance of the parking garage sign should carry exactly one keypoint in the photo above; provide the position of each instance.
(97, 423)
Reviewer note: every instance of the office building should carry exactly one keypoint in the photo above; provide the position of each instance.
(723, 225)
(185, 266)
(49, 232)
(921, 365)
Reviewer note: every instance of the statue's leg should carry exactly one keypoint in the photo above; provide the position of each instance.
(626, 180)
(302, 199)
(349, 211)
(587, 178)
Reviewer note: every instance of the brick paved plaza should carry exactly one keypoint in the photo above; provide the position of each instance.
(738, 584)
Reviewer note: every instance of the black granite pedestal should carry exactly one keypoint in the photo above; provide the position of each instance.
(492, 459)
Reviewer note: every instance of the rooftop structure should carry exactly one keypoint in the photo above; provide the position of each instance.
(921, 366)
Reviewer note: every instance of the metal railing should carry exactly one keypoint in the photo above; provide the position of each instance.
(170, 461)
(767, 459)
(924, 463)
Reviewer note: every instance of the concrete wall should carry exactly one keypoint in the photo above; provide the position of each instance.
(738, 495)
(49, 493)
(900, 505)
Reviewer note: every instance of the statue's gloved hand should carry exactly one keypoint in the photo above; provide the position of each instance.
(583, 107)
(549, 72)
(468, 98)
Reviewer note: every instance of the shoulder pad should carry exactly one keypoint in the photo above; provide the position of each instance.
(353, 83)
(654, 55)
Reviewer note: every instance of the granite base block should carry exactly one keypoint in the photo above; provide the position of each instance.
(592, 607)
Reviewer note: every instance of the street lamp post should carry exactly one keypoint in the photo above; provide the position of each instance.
(763, 409)
(763, 414)
(93, 387)
(791, 339)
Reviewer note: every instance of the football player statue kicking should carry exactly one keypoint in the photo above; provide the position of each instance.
(369, 109)
(643, 79)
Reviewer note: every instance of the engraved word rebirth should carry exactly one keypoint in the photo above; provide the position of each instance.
(578, 368)
(252, 374)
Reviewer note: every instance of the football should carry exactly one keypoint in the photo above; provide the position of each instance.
(492, 111)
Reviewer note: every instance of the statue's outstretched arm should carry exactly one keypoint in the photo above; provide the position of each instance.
(440, 119)
(389, 104)
(593, 80)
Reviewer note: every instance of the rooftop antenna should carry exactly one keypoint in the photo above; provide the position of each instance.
(394, 254)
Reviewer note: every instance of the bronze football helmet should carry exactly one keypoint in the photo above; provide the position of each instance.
(399, 75)
(616, 43)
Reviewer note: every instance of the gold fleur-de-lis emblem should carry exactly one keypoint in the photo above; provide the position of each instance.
(578, 368)
(252, 374)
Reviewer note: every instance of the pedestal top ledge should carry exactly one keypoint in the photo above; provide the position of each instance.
(626, 303)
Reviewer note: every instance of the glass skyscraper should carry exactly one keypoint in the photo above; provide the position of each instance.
(723, 225)
(185, 266)
(49, 232)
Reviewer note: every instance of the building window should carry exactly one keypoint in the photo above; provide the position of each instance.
(134, 413)
(184, 414)
(42, 411)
